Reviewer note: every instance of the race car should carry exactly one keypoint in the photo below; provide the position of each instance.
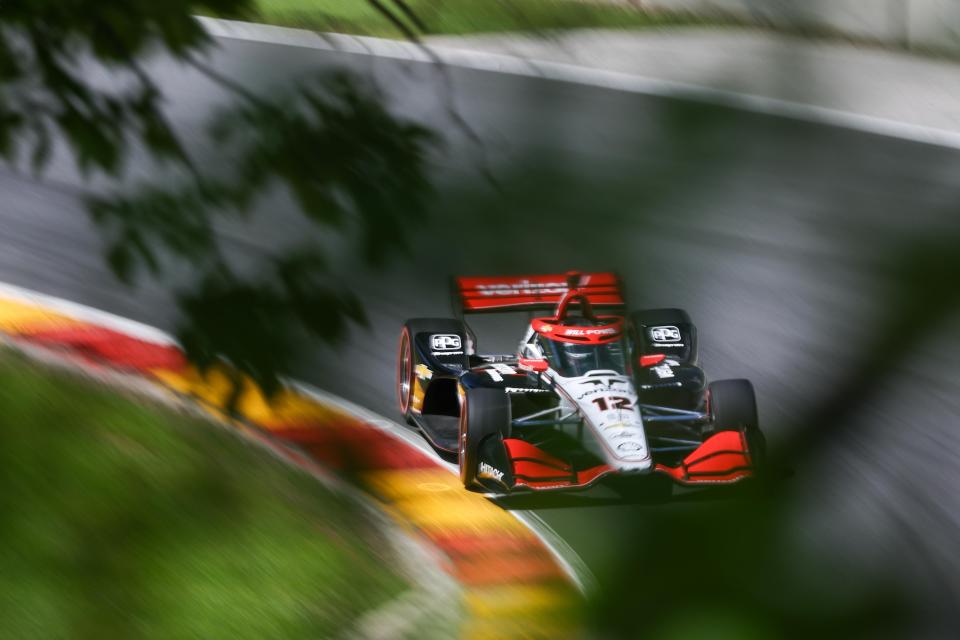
(592, 391)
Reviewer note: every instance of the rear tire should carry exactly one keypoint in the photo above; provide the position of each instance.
(405, 373)
(672, 317)
(407, 356)
(661, 316)
(484, 413)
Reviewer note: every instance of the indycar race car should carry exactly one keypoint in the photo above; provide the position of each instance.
(591, 392)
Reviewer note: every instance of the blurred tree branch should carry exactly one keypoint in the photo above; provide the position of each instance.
(72, 75)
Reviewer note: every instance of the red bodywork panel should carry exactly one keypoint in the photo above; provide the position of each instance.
(600, 334)
(517, 293)
(535, 365)
(652, 359)
(536, 469)
(722, 459)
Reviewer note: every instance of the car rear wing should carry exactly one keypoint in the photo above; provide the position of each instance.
(531, 293)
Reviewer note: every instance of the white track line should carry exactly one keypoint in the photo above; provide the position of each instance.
(87, 314)
(565, 556)
(600, 78)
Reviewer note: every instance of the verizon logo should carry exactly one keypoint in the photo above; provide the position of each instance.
(522, 288)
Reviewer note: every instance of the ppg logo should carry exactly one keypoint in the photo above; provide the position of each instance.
(445, 342)
(665, 334)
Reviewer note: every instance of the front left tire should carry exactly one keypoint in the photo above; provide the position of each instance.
(484, 414)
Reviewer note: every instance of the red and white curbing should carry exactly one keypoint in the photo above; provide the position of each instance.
(516, 578)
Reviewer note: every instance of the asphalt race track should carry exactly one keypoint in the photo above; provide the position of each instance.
(776, 235)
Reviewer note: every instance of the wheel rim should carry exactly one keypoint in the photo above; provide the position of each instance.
(404, 373)
(462, 444)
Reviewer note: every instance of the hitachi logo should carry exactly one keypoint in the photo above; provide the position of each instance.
(486, 471)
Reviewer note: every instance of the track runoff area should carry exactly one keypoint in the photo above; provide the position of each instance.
(514, 582)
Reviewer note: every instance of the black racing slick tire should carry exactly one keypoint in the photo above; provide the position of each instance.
(484, 413)
(661, 316)
(407, 359)
(732, 406)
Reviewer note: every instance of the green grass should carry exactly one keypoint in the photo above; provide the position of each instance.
(457, 16)
(122, 520)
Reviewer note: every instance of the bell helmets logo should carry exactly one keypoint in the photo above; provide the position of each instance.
(605, 331)
(665, 334)
(445, 342)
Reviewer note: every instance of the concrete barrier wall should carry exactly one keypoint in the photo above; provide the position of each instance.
(932, 24)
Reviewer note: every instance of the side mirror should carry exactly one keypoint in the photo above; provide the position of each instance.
(532, 364)
(651, 359)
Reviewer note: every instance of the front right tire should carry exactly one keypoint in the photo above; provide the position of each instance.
(732, 406)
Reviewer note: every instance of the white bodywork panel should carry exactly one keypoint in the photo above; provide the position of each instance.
(608, 402)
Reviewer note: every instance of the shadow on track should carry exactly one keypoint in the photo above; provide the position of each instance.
(624, 495)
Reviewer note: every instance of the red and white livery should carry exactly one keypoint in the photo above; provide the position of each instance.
(593, 391)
